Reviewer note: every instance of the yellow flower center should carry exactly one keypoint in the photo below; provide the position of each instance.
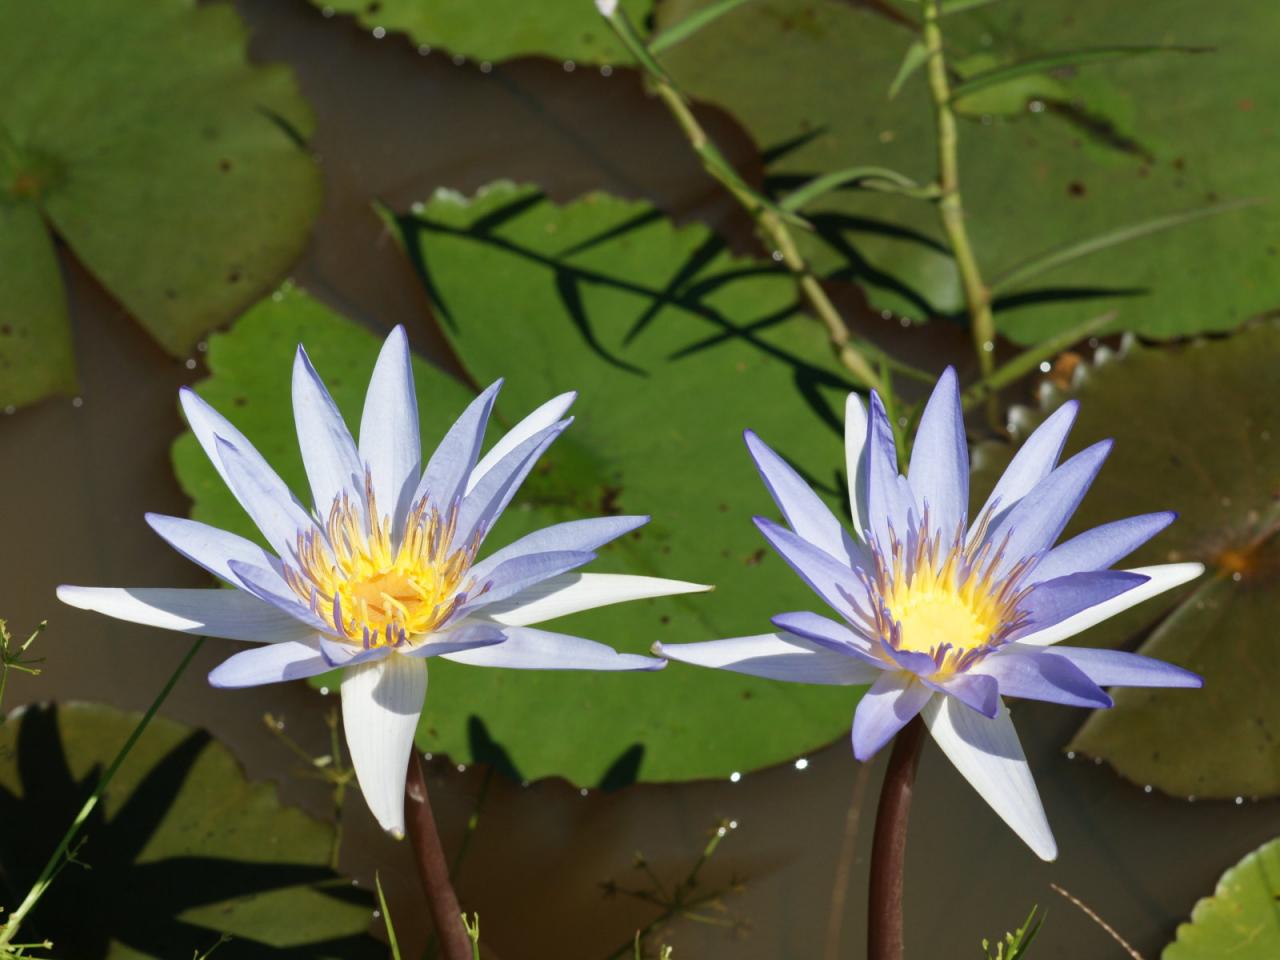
(930, 617)
(373, 591)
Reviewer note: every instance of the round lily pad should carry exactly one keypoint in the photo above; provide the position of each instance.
(181, 850)
(140, 137)
(1197, 430)
(1240, 920)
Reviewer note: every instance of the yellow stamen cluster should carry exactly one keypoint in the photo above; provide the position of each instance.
(370, 589)
(946, 602)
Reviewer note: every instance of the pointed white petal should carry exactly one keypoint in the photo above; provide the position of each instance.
(775, 656)
(987, 753)
(1163, 577)
(230, 614)
(381, 703)
(390, 442)
(328, 452)
(855, 445)
(572, 592)
(547, 414)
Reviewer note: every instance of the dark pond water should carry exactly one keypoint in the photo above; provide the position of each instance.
(393, 125)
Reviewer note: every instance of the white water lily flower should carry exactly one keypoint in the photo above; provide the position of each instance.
(945, 619)
(383, 572)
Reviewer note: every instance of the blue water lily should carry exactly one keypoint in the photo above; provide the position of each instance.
(944, 618)
(382, 572)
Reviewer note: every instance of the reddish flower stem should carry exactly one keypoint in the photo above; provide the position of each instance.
(433, 868)
(889, 847)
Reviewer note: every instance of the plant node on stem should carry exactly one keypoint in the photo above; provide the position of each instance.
(889, 847)
(433, 868)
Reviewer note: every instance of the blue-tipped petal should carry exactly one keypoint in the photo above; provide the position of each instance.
(1034, 461)
(1042, 675)
(528, 649)
(482, 506)
(939, 470)
(855, 461)
(1117, 668)
(893, 701)
(774, 656)
(328, 452)
(210, 547)
(827, 633)
(574, 592)
(974, 690)
(274, 663)
(803, 509)
(275, 512)
(390, 442)
(545, 416)
(889, 498)
(520, 573)
(268, 587)
(463, 637)
(830, 579)
(1101, 547)
(1055, 600)
(585, 535)
(445, 478)
(1034, 524)
(340, 654)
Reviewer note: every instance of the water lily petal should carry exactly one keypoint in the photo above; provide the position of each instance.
(774, 656)
(1032, 673)
(482, 506)
(892, 702)
(275, 663)
(529, 649)
(266, 586)
(210, 547)
(328, 452)
(805, 513)
(1160, 578)
(445, 478)
(574, 592)
(520, 573)
(1034, 460)
(589, 534)
(833, 581)
(939, 470)
(1099, 548)
(987, 753)
(889, 498)
(1117, 668)
(275, 512)
(1059, 599)
(975, 690)
(545, 416)
(338, 653)
(826, 633)
(466, 636)
(855, 459)
(390, 442)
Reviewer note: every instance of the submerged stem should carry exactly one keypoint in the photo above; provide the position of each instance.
(55, 862)
(433, 868)
(888, 849)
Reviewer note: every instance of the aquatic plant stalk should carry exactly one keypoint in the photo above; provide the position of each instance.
(433, 867)
(889, 846)
(58, 858)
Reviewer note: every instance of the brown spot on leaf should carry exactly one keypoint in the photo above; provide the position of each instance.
(1076, 188)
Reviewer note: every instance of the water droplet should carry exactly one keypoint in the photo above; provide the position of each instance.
(904, 321)
(988, 346)
(377, 914)
(1226, 501)
(1071, 754)
(570, 66)
(77, 402)
(735, 777)
(777, 255)
(277, 297)
(721, 831)
(1036, 106)
(902, 421)
(802, 764)
(606, 71)
(191, 363)
(1147, 788)
(462, 768)
(1045, 366)
(1097, 761)
(1239, 801)
(733, 824)
(1093, 341)
(426, 756)
(418, 207)
(524, 783)
(986, 119)
(886, 314)
(1237, 576)
(327, 12)
(202, 346)
(379, 32)
(985, 40)
(324, 691)
(485, 66)
(10, 410)
(1191, 798)
(583, 792)
(459, 59)
(424, 49)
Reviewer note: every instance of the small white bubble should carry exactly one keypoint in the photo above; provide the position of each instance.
(777, 256)
(277, 297)
(1097, 761)
(191, 363)
(462, 768)
(459, 59)
(10, 410)
(418, 207)
(1191, 798)
(606, 71)
(1147, 788)
(1093, 341)
(721, 831)
(583, 792)
(379, 32)
(1266, 434)
(1239, 801)
(377, 914)
(426, 756)
(524, 783)
(1226, 501)
(485, 66)
(904, 321)
(1045, 366)
(1071, 754)
(733, 824)
(988, 346)
(987, 119)
(327, 12)
(735, 777)
(902, 421)
(802, 764)
(202, 346)
(1036, 106)
(1237, 576)
(985, 40)
(324, 691)
(886, 314)
(424, 49)
(570, 66)
(77, 402)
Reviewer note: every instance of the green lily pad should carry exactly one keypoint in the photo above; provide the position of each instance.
(1197, 430)
(1106, 146)
(571, 30)
(1240, 920)
(181, 850)
(675, 347)
(168, 165)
